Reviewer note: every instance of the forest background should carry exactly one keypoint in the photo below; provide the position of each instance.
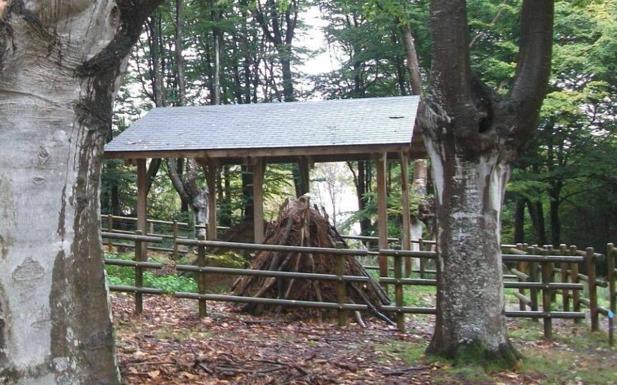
(193, 52)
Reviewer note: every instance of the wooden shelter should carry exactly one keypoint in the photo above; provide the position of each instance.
(377, 129)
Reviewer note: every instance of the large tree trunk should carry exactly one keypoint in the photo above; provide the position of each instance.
(472, 135)
(470, 296)
(59, 63)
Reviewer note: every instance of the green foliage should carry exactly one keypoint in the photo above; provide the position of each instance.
(119, 275)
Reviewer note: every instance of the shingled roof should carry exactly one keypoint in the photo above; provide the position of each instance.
(274, 129)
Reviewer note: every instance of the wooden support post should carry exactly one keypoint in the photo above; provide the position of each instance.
(110, 228)
(398, 292)
(141, 248)
(533, 276)
(547, 274)
(212, 170)
(611, 256)
(590, 261)
(381, 164)
(175, 235)
(405, 211)
(141, 195)
(258, 200)
(201, 278)
(576, 294)
(151, 228)
(341, 290)
(139, 274)
(565, 275)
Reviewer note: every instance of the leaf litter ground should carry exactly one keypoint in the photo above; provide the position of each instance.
(169, 344)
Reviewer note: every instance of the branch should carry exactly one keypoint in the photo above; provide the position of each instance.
(133, 15)
(176, 180)
(533, 67)
(451, 70)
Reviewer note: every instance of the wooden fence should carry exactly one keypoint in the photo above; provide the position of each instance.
(550, 272)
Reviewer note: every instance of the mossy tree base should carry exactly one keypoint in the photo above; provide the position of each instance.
(476, 353)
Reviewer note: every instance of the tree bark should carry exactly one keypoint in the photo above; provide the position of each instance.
(470, 297)
(60, 62)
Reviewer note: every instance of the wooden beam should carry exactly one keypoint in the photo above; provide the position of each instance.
(258, 199)
(314, 151)
(382, 211)
(211, 173)
(406, 238)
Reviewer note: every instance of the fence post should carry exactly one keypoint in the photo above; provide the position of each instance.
(398, 292)
(590, 260)
(533, 276)
(201, 278)
(611, 256)
(576, 294)
(175, 235)
(547, 295)
(521, 291)
(341, 290)
(139, 274)
(422, 260)
(565, 273)
(110, 228)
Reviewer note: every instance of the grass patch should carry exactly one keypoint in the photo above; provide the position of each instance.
(408, 352)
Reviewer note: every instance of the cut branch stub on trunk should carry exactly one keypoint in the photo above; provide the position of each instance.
(299, 224)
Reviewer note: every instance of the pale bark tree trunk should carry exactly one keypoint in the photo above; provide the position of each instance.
(189, 190)
(472, 135)
(60, 62)
(418, 189)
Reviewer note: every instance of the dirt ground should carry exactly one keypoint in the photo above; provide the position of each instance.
(169, 344)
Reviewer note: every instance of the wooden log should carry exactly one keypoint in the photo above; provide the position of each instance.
(533, 276)
(547, 296)
(521, 303)
(202, 279)
(341, 290)
(110, 228)
(574, 269)
(590, 261)
(139, 274)
(398, 292)
(565, 277)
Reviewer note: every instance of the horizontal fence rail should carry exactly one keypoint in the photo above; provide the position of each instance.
(533, 277)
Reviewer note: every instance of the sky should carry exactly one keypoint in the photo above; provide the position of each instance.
(315, 39)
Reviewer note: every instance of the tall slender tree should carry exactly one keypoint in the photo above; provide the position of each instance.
(472, 135)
